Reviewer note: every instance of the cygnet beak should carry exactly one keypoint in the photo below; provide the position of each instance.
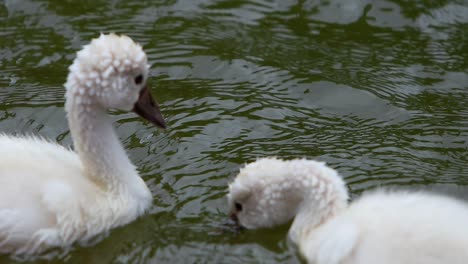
(147, 108)
(234, 219)
(234, 223)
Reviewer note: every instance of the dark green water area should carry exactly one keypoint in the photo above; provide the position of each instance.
(377, 89)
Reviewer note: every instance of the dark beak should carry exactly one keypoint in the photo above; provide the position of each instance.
(147, 108)
(234, 218)
(233, 223)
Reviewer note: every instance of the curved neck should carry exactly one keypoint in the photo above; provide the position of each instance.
(324, 196)
(102, 155)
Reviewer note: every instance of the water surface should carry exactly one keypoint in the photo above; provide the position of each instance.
(377, 89)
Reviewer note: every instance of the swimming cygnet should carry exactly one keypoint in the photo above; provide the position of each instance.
(51, 196)
(381, 227)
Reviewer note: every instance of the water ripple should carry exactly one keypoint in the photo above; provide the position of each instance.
(377, 89)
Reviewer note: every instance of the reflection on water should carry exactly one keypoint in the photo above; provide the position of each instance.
(378, 89)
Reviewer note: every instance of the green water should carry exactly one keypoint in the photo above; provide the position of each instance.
(378, 89)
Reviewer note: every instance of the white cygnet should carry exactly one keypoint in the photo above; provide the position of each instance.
(381, 227)
(51, 196)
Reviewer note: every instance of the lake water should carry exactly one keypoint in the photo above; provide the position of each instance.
(377, 89)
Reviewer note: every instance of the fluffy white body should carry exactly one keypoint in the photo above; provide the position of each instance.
(380, 227)
(51, 196)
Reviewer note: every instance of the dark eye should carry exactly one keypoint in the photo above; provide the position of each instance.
(139, 79)
(238, 206)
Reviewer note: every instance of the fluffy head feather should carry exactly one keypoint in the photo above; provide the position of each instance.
(269, 191)
(106, 72)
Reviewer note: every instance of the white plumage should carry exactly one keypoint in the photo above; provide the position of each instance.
(51, 196)
(381, 227)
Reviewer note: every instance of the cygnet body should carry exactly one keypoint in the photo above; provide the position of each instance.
(380, 227)
(51, 196)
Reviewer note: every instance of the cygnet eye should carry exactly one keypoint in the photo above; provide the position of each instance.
(139, 79)
(238, 206)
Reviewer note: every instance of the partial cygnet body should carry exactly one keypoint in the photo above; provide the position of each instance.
(380, 227)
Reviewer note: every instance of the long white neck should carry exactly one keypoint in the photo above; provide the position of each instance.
(324, 195)
(102, 155)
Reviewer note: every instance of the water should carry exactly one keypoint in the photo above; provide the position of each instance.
(378, 89)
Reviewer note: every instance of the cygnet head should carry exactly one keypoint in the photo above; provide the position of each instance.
(270, 191)
(111, 73)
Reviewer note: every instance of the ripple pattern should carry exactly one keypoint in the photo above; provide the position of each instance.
(377, 89)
